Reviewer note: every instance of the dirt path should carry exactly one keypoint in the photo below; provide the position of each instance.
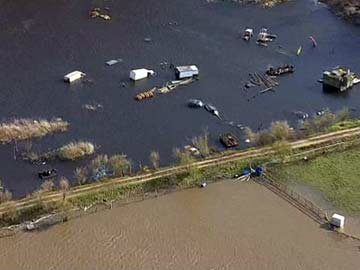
(227, 157)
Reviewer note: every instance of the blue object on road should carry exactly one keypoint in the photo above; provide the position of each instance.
(259, 171)
(247, 172)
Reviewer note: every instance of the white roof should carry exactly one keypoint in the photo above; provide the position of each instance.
(187, 68)
(339, 217)
(74, 73)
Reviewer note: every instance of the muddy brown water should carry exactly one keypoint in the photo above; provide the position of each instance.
(224, 226)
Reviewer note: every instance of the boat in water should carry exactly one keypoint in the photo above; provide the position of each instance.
(340, 78)
(195, 103)
(229, 140)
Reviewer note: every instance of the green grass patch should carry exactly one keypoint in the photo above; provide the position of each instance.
(344, 125)
(337, 175)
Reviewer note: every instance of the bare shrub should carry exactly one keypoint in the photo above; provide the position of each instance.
(64, 186)
(251, 135)
(75, 150)
(120, 165)
(64, 183)
(100, 162)
(202, 143)
(321, 122)
(155, 159)
(47, 186)
(5, 195)
(343, 115)
(264, 138)
(81, 175)
(281, 130)
(183, 157)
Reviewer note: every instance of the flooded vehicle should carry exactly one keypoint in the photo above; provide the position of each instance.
(212, 109)
(248, 34)
(272, 71)
(47, 174)
(195, 103)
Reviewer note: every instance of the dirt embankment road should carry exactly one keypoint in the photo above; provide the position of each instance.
(225, 158)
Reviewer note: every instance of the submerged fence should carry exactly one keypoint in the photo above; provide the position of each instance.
(294, 198)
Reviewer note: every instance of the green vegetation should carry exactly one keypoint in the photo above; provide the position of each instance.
(24, 129)
(281, 131)
(344, 125)
(336, 175)
(183, 157)
(179, 181)
(15, 216)
(119, 164)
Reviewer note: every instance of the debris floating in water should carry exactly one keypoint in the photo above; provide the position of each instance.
(96, 12)
(299, 51)
(195, 103)
(166, 88)
(92, 107)
(314, 43)
(113, 61)
(212, 109)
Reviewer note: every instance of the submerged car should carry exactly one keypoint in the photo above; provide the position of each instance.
(47, 174)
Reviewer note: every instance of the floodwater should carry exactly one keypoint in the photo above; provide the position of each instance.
(44, 39)
(225, 226)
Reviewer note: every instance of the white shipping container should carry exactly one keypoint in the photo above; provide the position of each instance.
(337, 220)
(74, 76)
(142, 73)
(186, 71)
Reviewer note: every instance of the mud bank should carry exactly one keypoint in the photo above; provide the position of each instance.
(349, 9)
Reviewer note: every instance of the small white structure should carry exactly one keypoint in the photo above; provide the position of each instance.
(74, 76)
(182, 72)
(142, 73)
(337, 220)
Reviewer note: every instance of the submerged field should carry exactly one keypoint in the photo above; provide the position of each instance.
(336, 175)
